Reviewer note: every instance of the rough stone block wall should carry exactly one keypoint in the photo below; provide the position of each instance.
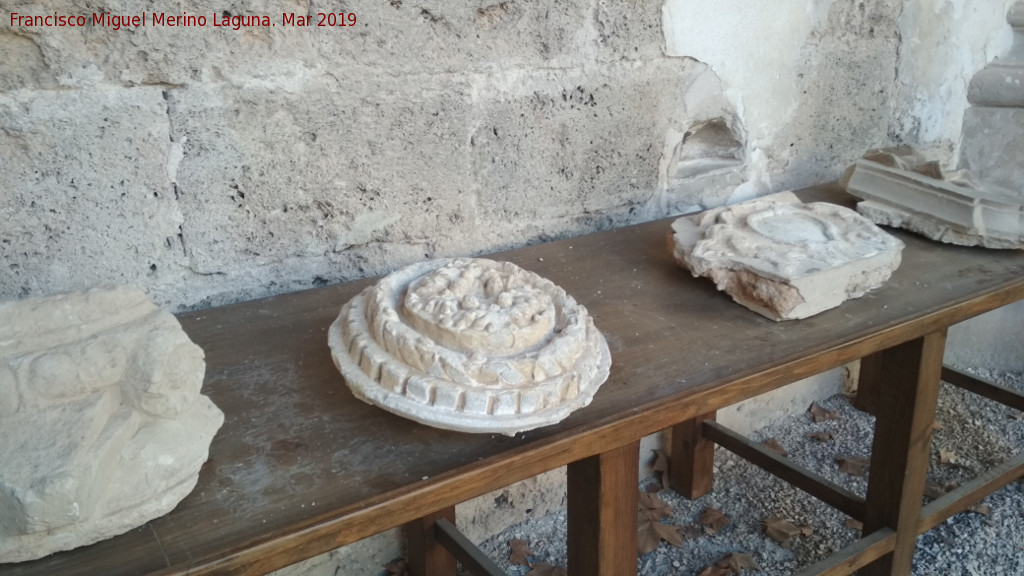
(208, 164)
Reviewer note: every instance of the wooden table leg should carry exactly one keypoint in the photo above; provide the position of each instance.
(904, 410)
(601, 502)
(870, 384)
(427, 557)
(692, 459)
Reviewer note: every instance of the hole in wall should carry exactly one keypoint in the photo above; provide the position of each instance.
(707, 147)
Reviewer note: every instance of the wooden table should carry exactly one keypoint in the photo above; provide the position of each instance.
(301, 467)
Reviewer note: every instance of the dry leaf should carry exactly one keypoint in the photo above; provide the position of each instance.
(820, 414)
(854, 466)
(936, 425)
(691, 531)
(520, 552)
(948, 457)
(783, 531)
(821, 436)
(653, 507)
(806, 530)
(737, 562)
(543, 569)
(855, 524)
(653, 488)
(981, 508)
(397, 568)
(713, 519)
(650, 533)
(715, 571)
(773, 445)
(934, 491)
(660, 467)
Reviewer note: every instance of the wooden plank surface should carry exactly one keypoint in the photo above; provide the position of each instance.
(301, 466)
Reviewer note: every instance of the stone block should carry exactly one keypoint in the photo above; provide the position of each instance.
(993, 146)
(629, 30)
(563, 152)
(784, 259)
(23, 65)
(87, 197)
(102, 426)
(417, 36)
(324, 184)
(108, 53)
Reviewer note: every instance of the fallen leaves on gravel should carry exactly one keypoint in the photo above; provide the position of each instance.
(713, 520)
(948, 457)
(981, 508)
(855, 524)
(653, 507)
(649, 530)
(773, 445)
(819, 414)
(783, 531)
(520, 552)
(650, 533)
(935, 491)
(542, 569)
(854, 465)
(734, 563)
(520, 555)
(660, 467)
(821, 436)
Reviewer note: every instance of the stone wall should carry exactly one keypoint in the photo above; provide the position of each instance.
(209, 165)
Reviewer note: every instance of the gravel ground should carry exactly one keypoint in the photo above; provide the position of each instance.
(976, 432)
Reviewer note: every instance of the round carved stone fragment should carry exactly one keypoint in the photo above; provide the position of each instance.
(470, 344)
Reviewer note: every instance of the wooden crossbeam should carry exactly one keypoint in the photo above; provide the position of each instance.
(855, 556)
(471, 557)
(965, 496)
(818, 486)
(990, 390)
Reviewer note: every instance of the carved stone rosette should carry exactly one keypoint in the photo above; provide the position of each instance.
(470, 344)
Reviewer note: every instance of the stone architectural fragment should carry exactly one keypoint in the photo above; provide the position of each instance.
(470, 344)
(950, 208)
(784, 259)
(102, 427)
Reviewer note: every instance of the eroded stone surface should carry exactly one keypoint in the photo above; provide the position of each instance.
(903, 190)
(470, 344)
(784, 259)
(102, 426)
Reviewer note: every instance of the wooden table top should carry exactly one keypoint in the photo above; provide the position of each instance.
(300, 466)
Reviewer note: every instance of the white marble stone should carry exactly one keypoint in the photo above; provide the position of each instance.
(949, 208)
(784, 259)
(102, 426)
(470, 344)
